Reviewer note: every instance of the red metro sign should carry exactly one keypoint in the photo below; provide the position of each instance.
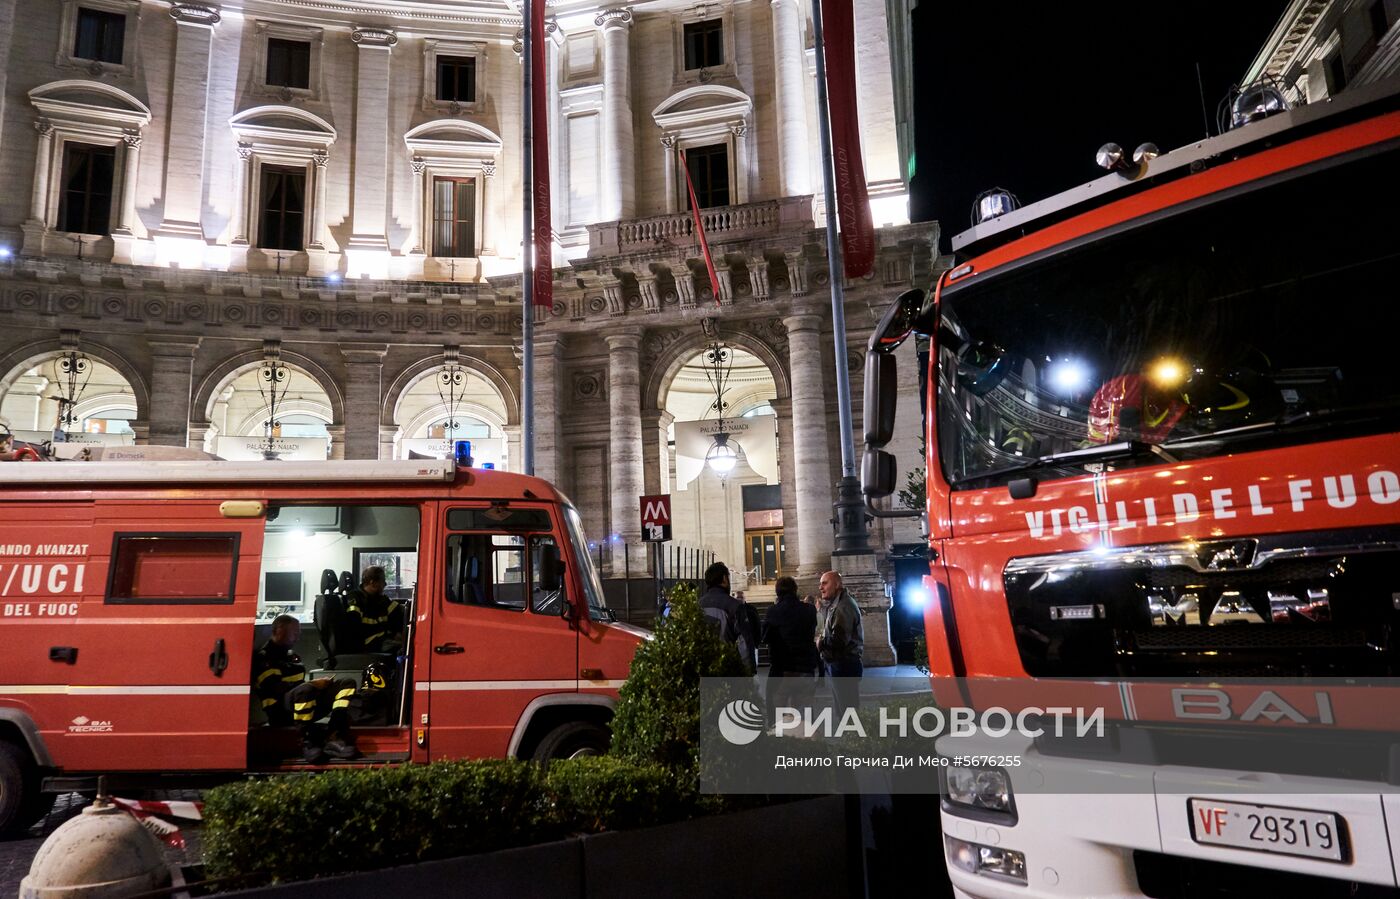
(656, 518)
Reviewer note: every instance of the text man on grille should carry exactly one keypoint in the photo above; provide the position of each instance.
(279, 682)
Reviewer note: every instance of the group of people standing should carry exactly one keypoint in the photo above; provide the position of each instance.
(806, 637)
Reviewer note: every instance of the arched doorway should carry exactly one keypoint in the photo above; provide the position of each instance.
(254, 416)
(453, 402)
(69, 398)
(727, 503)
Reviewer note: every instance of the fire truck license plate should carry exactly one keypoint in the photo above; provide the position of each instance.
(1285, 831)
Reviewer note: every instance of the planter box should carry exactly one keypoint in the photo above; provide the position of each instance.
(797, 849)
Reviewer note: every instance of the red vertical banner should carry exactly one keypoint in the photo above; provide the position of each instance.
(699, 227)
(852, 199)
(539, 121)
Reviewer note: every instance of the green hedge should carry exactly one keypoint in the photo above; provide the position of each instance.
(297, 827)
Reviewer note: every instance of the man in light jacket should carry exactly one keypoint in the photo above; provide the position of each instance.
(842, 643)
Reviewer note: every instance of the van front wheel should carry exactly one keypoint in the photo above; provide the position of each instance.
(21, 803)
(573, 740)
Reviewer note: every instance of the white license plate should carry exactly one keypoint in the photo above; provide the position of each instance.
(1267, 828)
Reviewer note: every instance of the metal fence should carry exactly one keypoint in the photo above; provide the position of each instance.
(635, 595)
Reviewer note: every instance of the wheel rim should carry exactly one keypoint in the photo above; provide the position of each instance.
(584, 752)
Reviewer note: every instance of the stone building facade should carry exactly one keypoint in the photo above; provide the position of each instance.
(197, 191)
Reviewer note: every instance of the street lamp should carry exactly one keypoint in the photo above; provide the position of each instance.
(273, 380)
(74, 371)
(722, 456)
(451, 388)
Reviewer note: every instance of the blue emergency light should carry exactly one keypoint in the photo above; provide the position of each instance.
(490, 466)
(462, 453)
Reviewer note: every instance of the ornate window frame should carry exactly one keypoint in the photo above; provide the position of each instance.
(65, 114)
(702, 12)
(701, 115)
(452, 148)
(257, 83)
(435, 47)
(285, 136)
(68, 30)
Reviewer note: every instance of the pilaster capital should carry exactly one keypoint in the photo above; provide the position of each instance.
(43, 126)
(195, 14)
(623, 341)
(488, 169)
(364, 354)
(320, 158)
(173, 346)
(802, 319)
(613, 18)
(245, 150)
(376, 38)
(419, 164)
(132, 139)
(669, 141)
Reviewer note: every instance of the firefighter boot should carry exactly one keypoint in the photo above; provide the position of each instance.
(338, 748)
(312, 752)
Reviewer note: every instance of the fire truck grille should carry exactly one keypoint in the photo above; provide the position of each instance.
(1222, 638)
(1322, 604)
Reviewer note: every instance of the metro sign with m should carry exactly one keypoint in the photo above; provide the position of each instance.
(656, 518)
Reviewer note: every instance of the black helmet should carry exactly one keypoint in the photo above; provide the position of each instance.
(376, 675)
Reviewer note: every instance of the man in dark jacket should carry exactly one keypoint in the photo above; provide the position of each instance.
(279, 681)
(378, 620)
(729, 615)
(790, 634)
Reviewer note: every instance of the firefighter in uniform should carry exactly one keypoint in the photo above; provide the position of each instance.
(279, 682)
(379, 620)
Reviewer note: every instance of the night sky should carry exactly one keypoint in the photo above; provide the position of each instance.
(1021, 94)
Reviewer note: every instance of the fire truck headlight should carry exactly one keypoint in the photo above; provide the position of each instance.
(986, 790)
(990, 861)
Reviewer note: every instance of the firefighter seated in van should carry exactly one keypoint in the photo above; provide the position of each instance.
(376, 619)
(279, 682)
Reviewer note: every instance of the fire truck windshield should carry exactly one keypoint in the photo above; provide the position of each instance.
(1263, 319)
(592, 586)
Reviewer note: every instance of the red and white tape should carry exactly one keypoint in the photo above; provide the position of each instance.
(152, 815)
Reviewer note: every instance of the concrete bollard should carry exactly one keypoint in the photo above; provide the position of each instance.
(101, 854)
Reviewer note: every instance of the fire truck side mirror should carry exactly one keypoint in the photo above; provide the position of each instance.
(551, 569)
(880, 398)
(877, 474)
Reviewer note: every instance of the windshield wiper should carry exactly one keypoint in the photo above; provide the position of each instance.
(1128, 449)
(1381, 410)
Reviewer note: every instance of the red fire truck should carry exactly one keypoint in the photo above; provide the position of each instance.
(133, 595)
(1161, 423)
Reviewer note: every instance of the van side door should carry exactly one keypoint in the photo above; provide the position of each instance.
(498, 641)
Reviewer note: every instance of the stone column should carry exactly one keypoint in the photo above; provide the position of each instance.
(416, 225)
(515, 450)
(38, 222)
(782, 410)
(369, 217)
(789, 82)
(674, 202)
(486, 230)
(364, 364)
(337, 436)
(318, 199)
(811, 468)
(39, 199)
(126, 218)
(619, 188)
(172, 386)
(189, 108)
(625, 443)
(656, 461)
(243, 196)
(549, 371)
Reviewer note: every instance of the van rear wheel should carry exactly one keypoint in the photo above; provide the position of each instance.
(576, 739)
(21, 803)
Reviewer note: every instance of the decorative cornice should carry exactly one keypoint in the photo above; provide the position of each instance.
(195, 14)
(620, 16)
(374, 37)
